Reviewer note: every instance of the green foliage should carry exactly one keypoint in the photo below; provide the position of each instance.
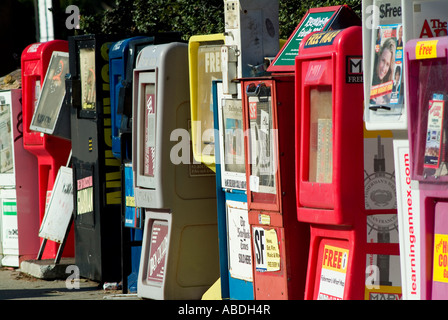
(292, 11)
(190, 17)
(150, 16)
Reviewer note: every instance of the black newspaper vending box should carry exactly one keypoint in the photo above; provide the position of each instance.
(96, 172)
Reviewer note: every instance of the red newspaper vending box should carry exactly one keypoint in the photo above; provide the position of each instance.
(350, 247)
(51, 151)
(280, 242)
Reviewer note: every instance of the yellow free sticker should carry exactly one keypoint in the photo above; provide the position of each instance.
(335, 258)
(440, 272)
(426, 49)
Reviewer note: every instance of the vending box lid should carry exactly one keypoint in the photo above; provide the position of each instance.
(315, 19)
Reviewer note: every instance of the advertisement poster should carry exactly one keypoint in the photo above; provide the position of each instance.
(440, 262)
(430, 19)
(383, 277)
(158, 251)
(84, 195)
(379, 174)
(314, 21)
(267, 251)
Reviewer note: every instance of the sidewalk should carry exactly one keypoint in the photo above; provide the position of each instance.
(16, 285)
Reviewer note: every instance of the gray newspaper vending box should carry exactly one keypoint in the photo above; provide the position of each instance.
(179, 257)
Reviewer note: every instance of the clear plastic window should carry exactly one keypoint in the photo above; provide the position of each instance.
(233, 136)
(262, 142)
(52, 96)
(88, 81)
(432, 99)
(321, 135)
(6, 145)
(36, 93)
(209, 69)
(150, 129)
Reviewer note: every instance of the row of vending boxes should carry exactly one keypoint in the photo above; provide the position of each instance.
(311, 211)
(266, 217)
(190, 181)
(85, 141)
(361, 174)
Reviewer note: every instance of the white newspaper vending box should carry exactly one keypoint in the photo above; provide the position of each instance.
(9, 242)
(18, 182)
(388, 26)
(179, 257)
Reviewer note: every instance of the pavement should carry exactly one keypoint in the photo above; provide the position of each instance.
(18, 285)
(47, 280)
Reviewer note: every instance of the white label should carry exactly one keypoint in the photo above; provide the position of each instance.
(408, 209)
(240, 249)
(60, 207)
(254, 183)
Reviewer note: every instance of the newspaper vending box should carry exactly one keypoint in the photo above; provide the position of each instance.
(204, 62)
(122, 59)
(179, 258)
(122, 56)
(280, 243)
(235, 250)
(96, 172)
(51, 151)
(349, 203)
(16, 184)
(251, 36)
(389, 25)
(427, 95)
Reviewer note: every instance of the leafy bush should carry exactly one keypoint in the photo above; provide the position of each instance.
(190, 17)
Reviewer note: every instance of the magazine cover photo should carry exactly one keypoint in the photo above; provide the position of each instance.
(386, 92)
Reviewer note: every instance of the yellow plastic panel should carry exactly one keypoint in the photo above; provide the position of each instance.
(204, 56)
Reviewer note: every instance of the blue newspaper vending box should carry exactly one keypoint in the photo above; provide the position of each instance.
(122, 58)
(235, 251)
(121, 54)
(251, 35)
